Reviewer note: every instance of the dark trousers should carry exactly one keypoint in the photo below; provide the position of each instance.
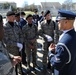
(23, 55)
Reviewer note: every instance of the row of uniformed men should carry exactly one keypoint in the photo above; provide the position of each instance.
(62, 57)
(14, 37)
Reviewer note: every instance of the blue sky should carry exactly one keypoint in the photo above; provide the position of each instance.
(21, 2)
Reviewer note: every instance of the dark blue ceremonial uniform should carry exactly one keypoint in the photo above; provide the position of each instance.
(23, 22)
(36, 19)
(64, 59)
(41, 18)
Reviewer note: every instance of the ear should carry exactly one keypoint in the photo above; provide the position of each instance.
(66, 21)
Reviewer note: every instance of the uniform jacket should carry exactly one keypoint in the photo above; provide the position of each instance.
(12, 36)
(36, 19)
(23, 22)
(49, 29)
(64, 59)
(5, 61)
(30, 33)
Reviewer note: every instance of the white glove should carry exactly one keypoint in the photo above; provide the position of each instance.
(20, 46)
(49, 38)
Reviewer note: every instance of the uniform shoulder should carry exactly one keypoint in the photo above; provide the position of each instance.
(43, 22)
(24, 27)
(6, 26)
(34, 24)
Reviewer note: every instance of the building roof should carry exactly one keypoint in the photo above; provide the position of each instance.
(51, 4)
(74, 3)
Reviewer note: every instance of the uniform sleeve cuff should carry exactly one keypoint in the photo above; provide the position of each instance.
(50, 54)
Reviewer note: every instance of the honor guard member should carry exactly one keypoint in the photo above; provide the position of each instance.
(22, 19)
(7, 61)
(47, 32)
(36, 17)
(63, 57)
(41, 18)
(17, 20)
(30, 36)
(12, 35)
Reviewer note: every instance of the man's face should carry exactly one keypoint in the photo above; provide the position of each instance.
(17, 18)
(42, 13)
(11, 18)
(48, 16)
(29, 20)
(36, 12)
(22, 16)
(61, 24)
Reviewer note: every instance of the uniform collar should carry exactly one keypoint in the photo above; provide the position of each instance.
(65, 31)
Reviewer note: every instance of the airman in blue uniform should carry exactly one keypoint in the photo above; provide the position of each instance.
(63, 56)
(22, 19)
(36, 17)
